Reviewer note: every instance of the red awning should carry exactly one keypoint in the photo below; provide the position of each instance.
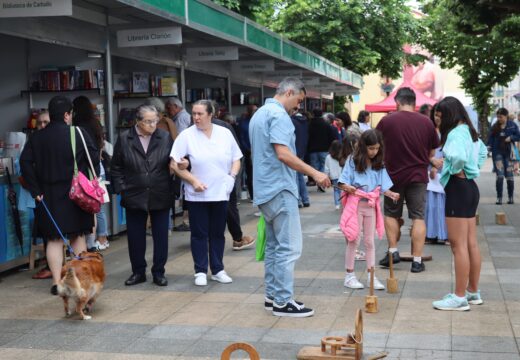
(388, 104)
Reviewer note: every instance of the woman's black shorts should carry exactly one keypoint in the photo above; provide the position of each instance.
(462, 197)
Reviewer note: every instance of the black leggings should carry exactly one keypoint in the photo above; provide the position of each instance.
(462, 197)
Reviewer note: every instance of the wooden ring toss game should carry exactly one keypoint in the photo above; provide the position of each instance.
(348, 347)
(249, 349)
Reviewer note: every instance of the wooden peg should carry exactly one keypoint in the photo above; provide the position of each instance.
(392, 284)
(500, 218)
(371, 300)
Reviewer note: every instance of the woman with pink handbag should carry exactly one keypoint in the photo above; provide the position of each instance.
(47, 162)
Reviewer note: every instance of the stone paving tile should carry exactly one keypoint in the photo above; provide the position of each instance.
(419, 342)
(456, 355)
(22, 325)
(37, 341)
(234, 334)
(177, 332)
(24, 354)
(412, 354)
(101, 343)
(294, 336)
(6, 338)
(208, 314)
(509, 276)
(159, 346)
(490, 344)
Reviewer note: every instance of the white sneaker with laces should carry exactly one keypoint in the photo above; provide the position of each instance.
(201, 279)
(222, 277)
(352, 282)
(377, 284)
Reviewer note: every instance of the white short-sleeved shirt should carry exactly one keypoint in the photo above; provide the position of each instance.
(211, 160)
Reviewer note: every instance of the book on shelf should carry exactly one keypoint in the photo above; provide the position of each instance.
(66, 78)
(168, 85)
(140, 82)
(121, 83)
(216, 94)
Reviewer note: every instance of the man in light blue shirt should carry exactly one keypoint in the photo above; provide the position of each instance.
(275, 164)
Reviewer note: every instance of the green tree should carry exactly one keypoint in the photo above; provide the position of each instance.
(481, 51)
(260, 11)
(363, 36)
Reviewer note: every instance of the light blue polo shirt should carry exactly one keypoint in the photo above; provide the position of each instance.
(271, 125)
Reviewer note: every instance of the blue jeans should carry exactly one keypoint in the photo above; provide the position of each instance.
(283, 245)
(208, 224)
(302, 188)
(101, 229)
(337, 192)
(504, 168)
(318, 160)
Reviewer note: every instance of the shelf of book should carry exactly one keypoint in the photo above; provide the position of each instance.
(25, 92)
(137, 96)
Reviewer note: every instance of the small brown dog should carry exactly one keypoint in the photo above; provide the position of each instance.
(82, 280)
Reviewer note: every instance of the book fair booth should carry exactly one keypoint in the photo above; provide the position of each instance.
(119, 52)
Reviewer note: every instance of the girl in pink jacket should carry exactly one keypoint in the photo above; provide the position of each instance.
(364, 171)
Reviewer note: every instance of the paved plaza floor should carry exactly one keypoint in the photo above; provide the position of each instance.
(183, 321)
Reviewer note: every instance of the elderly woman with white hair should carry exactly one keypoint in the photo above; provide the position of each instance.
(165, 123)
(141, 174)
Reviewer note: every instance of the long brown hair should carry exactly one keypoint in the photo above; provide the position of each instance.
(452, 112)
(348, 144)
(361, 159)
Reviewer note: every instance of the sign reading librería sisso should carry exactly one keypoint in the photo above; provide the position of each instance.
(27, 8)
(149, 37)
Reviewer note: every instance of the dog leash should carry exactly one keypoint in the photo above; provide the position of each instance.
(65, 241)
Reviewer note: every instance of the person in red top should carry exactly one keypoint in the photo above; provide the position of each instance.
(410, 143)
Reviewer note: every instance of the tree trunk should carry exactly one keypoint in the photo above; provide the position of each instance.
(483, 122)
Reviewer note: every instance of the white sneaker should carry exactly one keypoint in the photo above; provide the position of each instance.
(222, 277)
(352, 282)
(257, 214)
(377, 284)
(201, 279)
(337, 207)
(101, 246)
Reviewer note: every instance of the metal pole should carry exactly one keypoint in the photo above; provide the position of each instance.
(110, 124)
(229, 93)
(109, 113)
(182, 95)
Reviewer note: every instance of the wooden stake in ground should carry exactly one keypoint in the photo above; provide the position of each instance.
(392, 284)
(371, 300)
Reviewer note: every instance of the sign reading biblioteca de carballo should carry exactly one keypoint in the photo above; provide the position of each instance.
(28, 8)
(149, 36)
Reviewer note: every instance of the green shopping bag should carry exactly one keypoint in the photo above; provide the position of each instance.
(260, 239)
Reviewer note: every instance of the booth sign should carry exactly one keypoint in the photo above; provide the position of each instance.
(26, 8)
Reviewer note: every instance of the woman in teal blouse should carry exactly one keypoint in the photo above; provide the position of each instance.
(464, 154)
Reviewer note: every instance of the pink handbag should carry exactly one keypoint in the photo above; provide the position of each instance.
(85, 193)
